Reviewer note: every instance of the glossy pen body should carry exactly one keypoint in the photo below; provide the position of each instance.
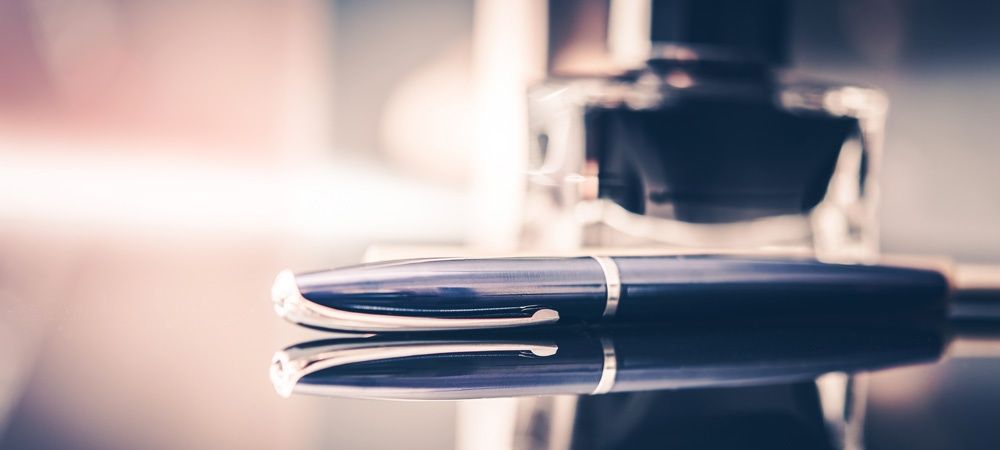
(584, 362)
(442, 294)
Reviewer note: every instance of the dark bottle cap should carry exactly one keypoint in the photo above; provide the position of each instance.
(708, 30)
(753, 30)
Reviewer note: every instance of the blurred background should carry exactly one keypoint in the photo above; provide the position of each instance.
(161, 161)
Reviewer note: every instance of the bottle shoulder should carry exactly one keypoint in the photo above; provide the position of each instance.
(664, 89)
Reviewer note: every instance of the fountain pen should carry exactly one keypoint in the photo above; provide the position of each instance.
(475, 294)
(583, 361)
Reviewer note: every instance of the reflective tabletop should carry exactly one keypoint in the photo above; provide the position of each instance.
(148, 343)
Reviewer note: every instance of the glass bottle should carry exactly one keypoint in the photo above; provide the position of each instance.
(707, 145)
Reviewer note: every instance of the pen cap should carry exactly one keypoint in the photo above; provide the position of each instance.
(442, 367)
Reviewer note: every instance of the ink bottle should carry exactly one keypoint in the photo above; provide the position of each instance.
(706, 144)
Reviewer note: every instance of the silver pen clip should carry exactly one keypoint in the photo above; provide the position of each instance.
(289, 366)
(289, 303)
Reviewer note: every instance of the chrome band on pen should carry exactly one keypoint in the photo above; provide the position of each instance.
(610, 370)
(290, 304)
(613, 282)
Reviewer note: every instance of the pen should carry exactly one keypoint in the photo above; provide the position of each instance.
(461, 294)
(593, 361)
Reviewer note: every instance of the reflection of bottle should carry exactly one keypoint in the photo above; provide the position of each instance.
(707, 144)
(771, 416)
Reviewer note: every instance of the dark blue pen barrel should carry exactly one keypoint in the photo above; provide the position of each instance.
(464, 288)
(648, 360)
(659, 288)
(704, 287)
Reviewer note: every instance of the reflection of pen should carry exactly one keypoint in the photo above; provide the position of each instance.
(449, 294)
(572, 361)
